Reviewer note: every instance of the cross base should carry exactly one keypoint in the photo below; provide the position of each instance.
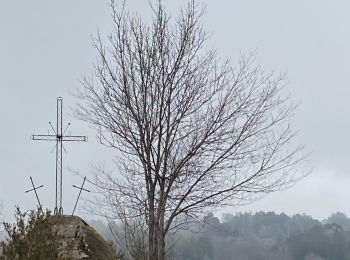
(58, 211)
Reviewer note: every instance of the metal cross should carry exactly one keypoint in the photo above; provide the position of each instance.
(59, 138)
(34, 189)
(81, 189)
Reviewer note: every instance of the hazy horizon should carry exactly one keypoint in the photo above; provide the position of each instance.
(45, 50)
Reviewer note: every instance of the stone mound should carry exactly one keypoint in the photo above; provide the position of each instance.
(78, 240)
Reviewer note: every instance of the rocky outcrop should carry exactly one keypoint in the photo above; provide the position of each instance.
(77, 240)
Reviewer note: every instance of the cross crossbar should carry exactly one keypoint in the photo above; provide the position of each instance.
(80, 188)
(64, 138)
(44, 137)
(35, 188)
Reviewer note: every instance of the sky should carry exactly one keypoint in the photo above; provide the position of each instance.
(45, 51)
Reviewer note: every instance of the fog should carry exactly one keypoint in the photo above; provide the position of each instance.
(45, 50)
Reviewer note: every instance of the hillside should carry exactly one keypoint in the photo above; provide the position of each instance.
(42, 237)
(260, 236)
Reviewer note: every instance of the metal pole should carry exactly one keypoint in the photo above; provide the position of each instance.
(34, 189)
(81, 188)
(36, 194)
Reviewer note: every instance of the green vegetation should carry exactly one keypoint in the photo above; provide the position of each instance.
(31, 237)
(41, 236)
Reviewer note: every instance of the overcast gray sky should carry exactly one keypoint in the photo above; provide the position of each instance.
(45, 49)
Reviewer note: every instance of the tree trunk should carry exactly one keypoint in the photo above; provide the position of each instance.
(161, 234)
(161, 245)
(152, 234)
(156, 247)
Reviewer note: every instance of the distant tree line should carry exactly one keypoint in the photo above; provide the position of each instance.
(260, 236)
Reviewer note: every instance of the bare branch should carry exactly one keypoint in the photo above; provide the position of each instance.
(192, 131)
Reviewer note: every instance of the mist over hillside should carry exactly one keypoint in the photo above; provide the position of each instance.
(259, 236)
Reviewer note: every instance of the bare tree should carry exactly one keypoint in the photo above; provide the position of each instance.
(192, 132)
(130, 235)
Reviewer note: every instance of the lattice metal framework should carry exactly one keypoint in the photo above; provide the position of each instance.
(59, 137)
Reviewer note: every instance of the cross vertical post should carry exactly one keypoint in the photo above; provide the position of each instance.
(59, 137)
(59, 156)
(81, 189)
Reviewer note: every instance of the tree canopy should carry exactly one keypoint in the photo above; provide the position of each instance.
(192, 131)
